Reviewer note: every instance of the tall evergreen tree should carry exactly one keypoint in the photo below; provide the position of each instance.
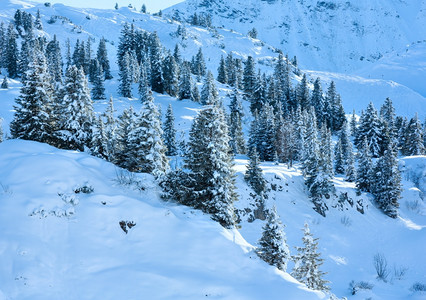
(156, 57)
(75, 111)
(413, 139)
(370, 127)
(302, 93)
(4, 83)
(111, 129)
(210, 165)
(38, 24)
(237, 141)
(222, 74)
(169, 132)
(317, 101)
(102, 56)
(209, 94)
(387, 183)
(199, 66)
(266, 134)
(249, 76)
(364, 172)
(54, 59)
(33, 118)
(254, 176)
(98, 90)
(307, 263)
(273, 247)
(185, 82)
(11, 53)
(258, 93)
(147, 151)
(171, 76)
(125, 87)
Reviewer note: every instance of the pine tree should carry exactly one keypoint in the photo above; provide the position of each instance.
(339, 162)
(237, 142)
(147, 152)
(3, 43)
(387, 113)
(317, 101)
(199, 66)
(222, 74)
(210, 165)
(155, 52)
(98, 91)
(99, 140)
(54, 59)
(171, 76)
(266, 134)
(308, 261)
(123, 156)
(387, 183)
(353, 124)
(185, 82)
(125, 87)
(413, 139)
(302, 93)
(254, 176)
(33, 118)
(209, 94)
(4, 84)
(111, 129)
(68, 56)
(249, 76)
(102, 56)
(75, 112)
(273, 247)
(258, 94)
(11, 55)
(143, 9)
(38, 24)
(195, 95)
(364, 171)
(370, 127)
(170, 132)
(350, 164)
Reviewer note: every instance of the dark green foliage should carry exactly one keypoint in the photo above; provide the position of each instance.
(169, 132)
(11, 52)
(98, 90)
(273, 247)
(249, 76)
(237, 142)
(171, 76)
(209, 94)
(54, 59)
(102, 56)
(222, 73)
(364, 171)
(371, 128)
(155, 53)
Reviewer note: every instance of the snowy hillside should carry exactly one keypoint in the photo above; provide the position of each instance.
(326, 35)
(357, 90)
(74, 226)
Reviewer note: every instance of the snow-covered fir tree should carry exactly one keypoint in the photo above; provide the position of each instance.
(413, 138)
(209, 162)
(123, 156)
(102, 56)
(75, 111)
(222, 74)
(199, 65)
(185, 82)
(11, 52)
(33, 118)
(266, 134)
(209, 94)
(307, 262)
(171, 76)
(303, 94)
(254, 175)
(249, 76)
(236, 114)
(364, 171)
(110, 127)
(156, 58)
(273, 247)
(370, 127)
(125, 87)
(169, 132)
(54, 59)
(4, 83)
(146, 148)
(98, 90)
(386, 186)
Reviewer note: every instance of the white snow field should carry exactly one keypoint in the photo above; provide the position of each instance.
(58, 244)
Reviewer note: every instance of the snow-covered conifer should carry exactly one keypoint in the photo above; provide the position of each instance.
(236, 114)
(222, 74)
(364, 171)
(307, 263)
(98, 90)
(209, 94)
(273, 247)
(102, 56)
(169, 132)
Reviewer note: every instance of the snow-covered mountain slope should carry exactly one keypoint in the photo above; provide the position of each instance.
(335, 35)
(357, 90)
(56, 243)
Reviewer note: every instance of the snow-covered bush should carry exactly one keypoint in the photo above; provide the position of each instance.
(381, 266)
(361, 285)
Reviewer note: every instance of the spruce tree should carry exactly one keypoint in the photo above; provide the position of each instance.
(4, 83)
(54, 59)
(209, 94)
(75, 111)
(307, 263)
(387, 183)
(254, 176)
(38, 24)
(387, 113)
(364, 171)
(171, 76)
(11, 52)
(155, 52)
(210, 165)
(98, 90)
(143, 85)
(249, 76)
(413, 139)
(370, 127)
(273, 247)
(102, 56)
(302, 93)
(237, 141)
(169, 132)
(258, 93)
(317, 101)
(123, 156)
(125, 87)
(350, 164)
(339, 162)
(222, 74)
(185, 82)
(111, 129)
(33, 118)
(353, 124)
(98, 143)
(199, 65)
(147, 151)
(266, 134)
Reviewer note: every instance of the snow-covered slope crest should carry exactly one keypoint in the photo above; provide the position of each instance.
(60, 240)
(333, 35)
